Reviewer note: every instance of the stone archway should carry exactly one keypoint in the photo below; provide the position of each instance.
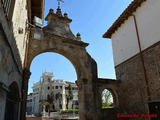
(57, 37)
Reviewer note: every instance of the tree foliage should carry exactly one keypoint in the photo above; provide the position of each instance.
(69, 96)
(107, 99)
(70, 111)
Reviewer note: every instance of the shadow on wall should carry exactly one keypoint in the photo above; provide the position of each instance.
(12, 102)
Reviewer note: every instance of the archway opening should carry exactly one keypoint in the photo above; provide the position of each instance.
(12, 102)
(107, 99)
(52, 89)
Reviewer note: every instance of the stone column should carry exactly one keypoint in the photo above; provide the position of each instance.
(44, 111)
(63, 98)
(83, 99)
(87, 100)
(24, 90)
(80, 98)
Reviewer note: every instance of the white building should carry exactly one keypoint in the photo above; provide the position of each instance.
(29, 103)
(55, 95)
(136, 50)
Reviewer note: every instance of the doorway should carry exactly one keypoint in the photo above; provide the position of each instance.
(12, 102)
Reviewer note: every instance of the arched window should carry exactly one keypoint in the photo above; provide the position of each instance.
(8, 7)
(107, 99)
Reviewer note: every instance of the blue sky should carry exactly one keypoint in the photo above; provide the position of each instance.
(91, 18)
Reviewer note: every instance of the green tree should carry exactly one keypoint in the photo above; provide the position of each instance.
(69, 96)
(107, 99)
(50, 101)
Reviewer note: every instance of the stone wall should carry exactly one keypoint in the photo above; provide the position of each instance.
(13, 35)
(20, 31)
(132, 90)
(129, 91)
(16, 31)
(112, 86)
(152, 64)
(110, 114)
(9, 71)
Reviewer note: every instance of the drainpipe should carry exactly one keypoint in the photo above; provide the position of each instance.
(142, 59)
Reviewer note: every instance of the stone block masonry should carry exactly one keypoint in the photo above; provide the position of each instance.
(132, 89)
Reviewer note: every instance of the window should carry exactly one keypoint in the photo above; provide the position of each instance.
(60, 106)
(56, 87)
(8, 7)
(107, 99)
(76, 103)
(53, 107)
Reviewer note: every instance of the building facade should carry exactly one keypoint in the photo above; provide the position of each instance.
(54, 95)
(14, 36)
(136, 42)
(29, 104)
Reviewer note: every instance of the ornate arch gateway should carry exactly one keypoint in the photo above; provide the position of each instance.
(57, 37)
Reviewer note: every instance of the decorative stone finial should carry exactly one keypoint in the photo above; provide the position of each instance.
(78, 36)
(59, 13)
(58, 24)
(65, 15)
(51, 10)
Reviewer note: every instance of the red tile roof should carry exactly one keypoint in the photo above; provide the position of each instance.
(123, 17)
